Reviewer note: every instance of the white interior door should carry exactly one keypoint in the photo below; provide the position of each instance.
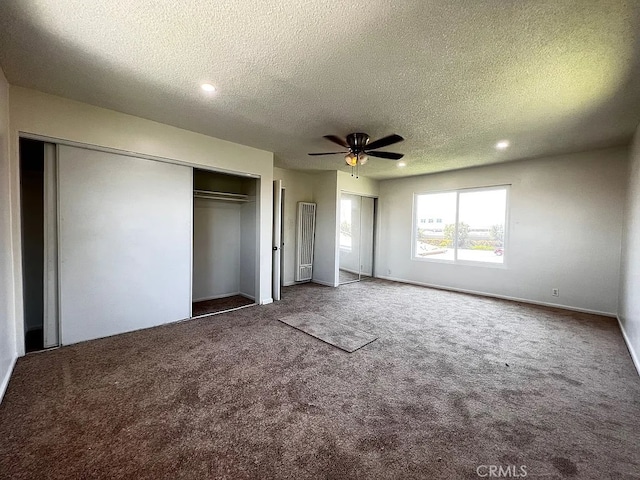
(277, 238)
(125, 227)
(50, 310)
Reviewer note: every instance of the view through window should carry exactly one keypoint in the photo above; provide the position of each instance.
(345, 224)
(463, 225)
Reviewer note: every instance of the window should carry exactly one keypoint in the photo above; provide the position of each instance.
(345, 224)
(471, 225)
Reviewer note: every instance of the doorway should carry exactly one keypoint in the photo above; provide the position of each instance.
(39, 234)
(224, 242)
(277, 280)
(357, 228)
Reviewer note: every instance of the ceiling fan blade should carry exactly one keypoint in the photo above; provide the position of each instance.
(327, 153)
(338, 140)
(383, 142)
(389, 155)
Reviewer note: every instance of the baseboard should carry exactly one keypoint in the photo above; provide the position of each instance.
(503, 297)
(246, 295)
(634, 357)
(215, 297)
(5, 380)
(267, 301)
(291, 284)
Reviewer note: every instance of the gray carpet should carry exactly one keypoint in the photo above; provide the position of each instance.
(232, 396)
(335, 333)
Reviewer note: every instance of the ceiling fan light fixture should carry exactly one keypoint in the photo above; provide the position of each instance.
(351, 159)
(363, 158)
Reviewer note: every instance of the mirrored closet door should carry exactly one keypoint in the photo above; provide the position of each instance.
(357, 225)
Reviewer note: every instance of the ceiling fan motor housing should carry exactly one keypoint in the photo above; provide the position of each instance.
(357, 141)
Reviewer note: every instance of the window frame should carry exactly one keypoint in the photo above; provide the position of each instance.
(456, 261)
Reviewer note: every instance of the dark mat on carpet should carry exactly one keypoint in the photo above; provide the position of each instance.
(334, 333)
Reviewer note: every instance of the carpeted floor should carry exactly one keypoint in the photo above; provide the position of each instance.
(219, 305)
(454, 383)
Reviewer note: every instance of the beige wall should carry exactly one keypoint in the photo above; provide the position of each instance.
(359, 186)
(7, 308)
(325, 258)
(66, 121)
(298, 188)
(629, 304)
(564, 230)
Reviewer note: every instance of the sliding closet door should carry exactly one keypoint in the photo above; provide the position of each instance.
(125, 243)
(357, 226)
(350, 245)
(367, 216)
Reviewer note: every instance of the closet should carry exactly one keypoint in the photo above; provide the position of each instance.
(357, 226)
(39, 244)
(224, 242)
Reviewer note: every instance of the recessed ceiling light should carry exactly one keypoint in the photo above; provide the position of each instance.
(402, 164)
(207, 87)
(502, 144)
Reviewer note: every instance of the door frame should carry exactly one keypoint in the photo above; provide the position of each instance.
(276, 259)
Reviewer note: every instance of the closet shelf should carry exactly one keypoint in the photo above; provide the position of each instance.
(222, 196)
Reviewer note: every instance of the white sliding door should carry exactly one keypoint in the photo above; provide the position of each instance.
(124, 242)
(366, 237)
(50, 310)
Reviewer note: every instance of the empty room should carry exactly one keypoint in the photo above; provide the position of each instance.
(320, 239)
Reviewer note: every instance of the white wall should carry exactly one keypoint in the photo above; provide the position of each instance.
(56, 118)
(298, 187)
(564, 230)
(216, 249)
(629, 304)
(325, 258)
(360, 186)
(8, 351)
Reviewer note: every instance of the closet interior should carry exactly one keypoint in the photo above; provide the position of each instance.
(357, 227)
(39, 243)
(224, 242)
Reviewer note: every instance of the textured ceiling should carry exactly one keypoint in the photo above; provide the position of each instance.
(452, 77)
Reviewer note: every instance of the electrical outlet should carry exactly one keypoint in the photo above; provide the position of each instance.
(388, 271)
(555, 292)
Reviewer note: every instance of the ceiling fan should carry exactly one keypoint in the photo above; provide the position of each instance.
(359, 149)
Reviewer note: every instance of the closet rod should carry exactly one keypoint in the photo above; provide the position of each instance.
(220, 194)
(224, 196)
(223, 199)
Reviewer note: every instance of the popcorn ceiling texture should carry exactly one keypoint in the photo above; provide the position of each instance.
(452, 77)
